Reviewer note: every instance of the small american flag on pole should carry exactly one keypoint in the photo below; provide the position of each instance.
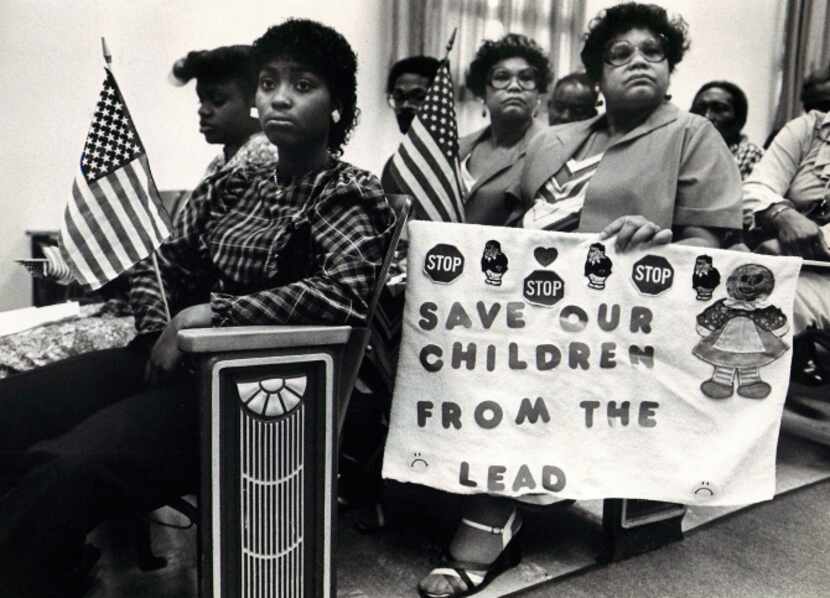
(426, 164)
(114, 217)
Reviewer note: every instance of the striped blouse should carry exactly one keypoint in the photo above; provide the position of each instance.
(260, 252)
(560, 200)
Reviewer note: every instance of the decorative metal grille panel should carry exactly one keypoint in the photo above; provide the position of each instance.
(272, 421)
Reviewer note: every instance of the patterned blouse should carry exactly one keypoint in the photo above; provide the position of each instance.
(747, 155)
(303, 251)
(559, 203)
(257, 150)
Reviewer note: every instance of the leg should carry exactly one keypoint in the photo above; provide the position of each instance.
(481, 548)
(750, 384)
(47, 401)
(131, 456)
(720, 385)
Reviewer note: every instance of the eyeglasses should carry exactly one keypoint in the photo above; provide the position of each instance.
(622, 52)
(501, 79)
(398, 98)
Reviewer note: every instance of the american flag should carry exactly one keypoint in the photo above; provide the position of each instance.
(426, 163)
(114, 217)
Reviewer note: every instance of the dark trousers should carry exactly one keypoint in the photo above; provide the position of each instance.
(81, 441)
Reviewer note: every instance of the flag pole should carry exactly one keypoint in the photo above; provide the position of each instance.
(450, 44)
(105, 49)
(108, 60)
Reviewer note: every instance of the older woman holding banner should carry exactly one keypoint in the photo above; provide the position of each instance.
(300, 242)
(645, 173)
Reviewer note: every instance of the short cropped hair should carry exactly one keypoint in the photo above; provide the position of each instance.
(739, 101)
(578, 79)
(226, 63)
(426, 66)
(326, 53)
(622, 18)
(811, 97)
(512, 45)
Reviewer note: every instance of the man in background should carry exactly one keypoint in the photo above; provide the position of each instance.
(726, 107)
(574, 97)
(406, 89)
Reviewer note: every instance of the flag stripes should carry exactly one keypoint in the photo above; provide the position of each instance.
(110, 224)
(425, 176)
(426, 163)
(114, 217)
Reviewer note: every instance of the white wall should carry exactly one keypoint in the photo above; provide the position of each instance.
(51, 72)
(50, 75)
(735, 40)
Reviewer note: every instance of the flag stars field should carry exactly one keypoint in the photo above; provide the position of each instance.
(114, 216)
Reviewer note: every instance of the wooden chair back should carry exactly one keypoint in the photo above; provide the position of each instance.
(359, 339)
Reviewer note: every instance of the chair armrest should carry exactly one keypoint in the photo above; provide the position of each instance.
(255, 338)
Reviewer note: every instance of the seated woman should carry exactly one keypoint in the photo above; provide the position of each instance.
(725, 105)
(644, 172)
(786, 200)
(509, 75)
(88, 438)
(226, 81)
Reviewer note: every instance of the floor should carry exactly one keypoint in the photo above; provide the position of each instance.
(773, 549)
(777, 549)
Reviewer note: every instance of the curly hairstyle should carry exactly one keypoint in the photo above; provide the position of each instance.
(622, 18)
(426, 66)
(739, 101)
(226, 63)
(326, 53)
(512, 45)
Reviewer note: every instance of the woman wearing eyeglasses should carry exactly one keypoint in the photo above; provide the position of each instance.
(509, 75)
(644, 171)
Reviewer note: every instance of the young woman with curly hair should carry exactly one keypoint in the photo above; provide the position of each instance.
(297, 243)
(226, 81)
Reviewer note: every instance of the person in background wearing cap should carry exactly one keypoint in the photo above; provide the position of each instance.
(574, 97)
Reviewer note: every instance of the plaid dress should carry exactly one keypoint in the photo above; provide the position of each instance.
(303, 251)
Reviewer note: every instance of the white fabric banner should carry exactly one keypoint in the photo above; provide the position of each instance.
(535, 362)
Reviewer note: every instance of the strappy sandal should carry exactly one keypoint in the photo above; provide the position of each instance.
(468, 578)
